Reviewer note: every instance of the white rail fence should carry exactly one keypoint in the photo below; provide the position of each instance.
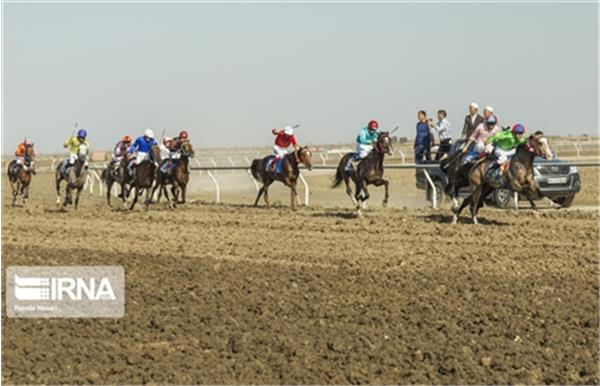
(94, 176)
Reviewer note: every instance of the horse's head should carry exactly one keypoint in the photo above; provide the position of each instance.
(29, 153)
(303, 155)
(384, 143)
(83, 153)
(155, 150)
(538, 145)
(187, 149)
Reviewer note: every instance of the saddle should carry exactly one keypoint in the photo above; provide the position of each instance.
(278, 165)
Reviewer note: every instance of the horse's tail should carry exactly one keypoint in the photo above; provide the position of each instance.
(255, 168)
(339, 173)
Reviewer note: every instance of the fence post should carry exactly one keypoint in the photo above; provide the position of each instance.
(306, 192)
(401, 155)
(433, 190)
(217, 189)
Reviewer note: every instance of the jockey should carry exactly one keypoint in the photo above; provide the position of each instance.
(364, 143)
(505, 143)
(283, 139)
(168, 152)
(120, 151)
(21, 155)
(73, 144)
(180, 139)
(480, 135)
(142, 146)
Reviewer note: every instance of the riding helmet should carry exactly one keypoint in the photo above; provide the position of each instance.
(148, 133)
(373, 125)
(82, 133)
(492, 120)
(518, 129)
(126, 139)
(183, 135)
(289, 131)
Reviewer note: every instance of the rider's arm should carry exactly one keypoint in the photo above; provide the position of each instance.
(493, 138)
(67, 142)
(133, 146)
(276, 131)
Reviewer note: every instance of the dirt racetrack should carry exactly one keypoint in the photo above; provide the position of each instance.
(236, 294)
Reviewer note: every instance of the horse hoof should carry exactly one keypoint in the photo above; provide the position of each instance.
(454, 219)
(384, 204)
(475, 221)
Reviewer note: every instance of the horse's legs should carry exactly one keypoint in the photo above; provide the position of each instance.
(148, 198)
(135, 197)
(58, 179)
(385, 184)
(260, 193)
(349, 190)
(77, 197)
(266, 195)
(457, 209)
(67, 199)
(183, 188)
(529, 196)
(15, 191)
(478, 197)
(293, 194)
(109, 184)
(25, 192)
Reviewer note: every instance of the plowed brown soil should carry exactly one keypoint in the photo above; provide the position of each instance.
(236, 294)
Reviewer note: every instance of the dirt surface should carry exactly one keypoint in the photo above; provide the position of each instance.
(236, 294)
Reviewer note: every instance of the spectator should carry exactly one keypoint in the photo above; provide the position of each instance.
(423, 139)
(471, 121)
(443, 130)
(488, 111)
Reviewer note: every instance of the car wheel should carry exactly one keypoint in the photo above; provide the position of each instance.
(503, 197)
(565, 202)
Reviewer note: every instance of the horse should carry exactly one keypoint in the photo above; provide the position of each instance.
(19, 176)
(144, 178)
(177, 178)
(368, 172)
(115, 172)
(75, 176)
(289, 173)
(518, 177)
(458, 174)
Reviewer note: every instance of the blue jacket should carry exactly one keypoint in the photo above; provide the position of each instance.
(423, 136)
(141, 145)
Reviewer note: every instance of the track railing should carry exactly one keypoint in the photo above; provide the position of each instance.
(95, 176)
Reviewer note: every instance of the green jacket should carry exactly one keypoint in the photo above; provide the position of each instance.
(367, 137)
(505, 140)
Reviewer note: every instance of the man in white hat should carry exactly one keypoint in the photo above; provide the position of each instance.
(472, 120)
(143, 148)
(488, 111)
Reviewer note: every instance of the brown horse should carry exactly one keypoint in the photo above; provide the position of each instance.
(290, 172)
(19, 176)
(368, 172)
(76, 176)
(115, 173)
(177, 178)
(144, 178)
(518, 177)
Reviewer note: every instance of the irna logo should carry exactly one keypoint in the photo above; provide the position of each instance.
(60, 288)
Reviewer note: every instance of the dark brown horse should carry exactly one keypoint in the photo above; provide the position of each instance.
(115, 173)
(76, 176)
(290, 172)
(19, 176)
(458, 174)
(177, 178)
(144, 178)
(368, 172)
(518, 177)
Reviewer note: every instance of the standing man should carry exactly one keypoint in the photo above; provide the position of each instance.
(423, 139)
(442, 127)
(471, 121)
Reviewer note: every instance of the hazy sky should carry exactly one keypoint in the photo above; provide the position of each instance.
(229, 73)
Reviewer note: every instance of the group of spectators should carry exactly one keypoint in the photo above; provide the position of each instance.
(427, 131)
